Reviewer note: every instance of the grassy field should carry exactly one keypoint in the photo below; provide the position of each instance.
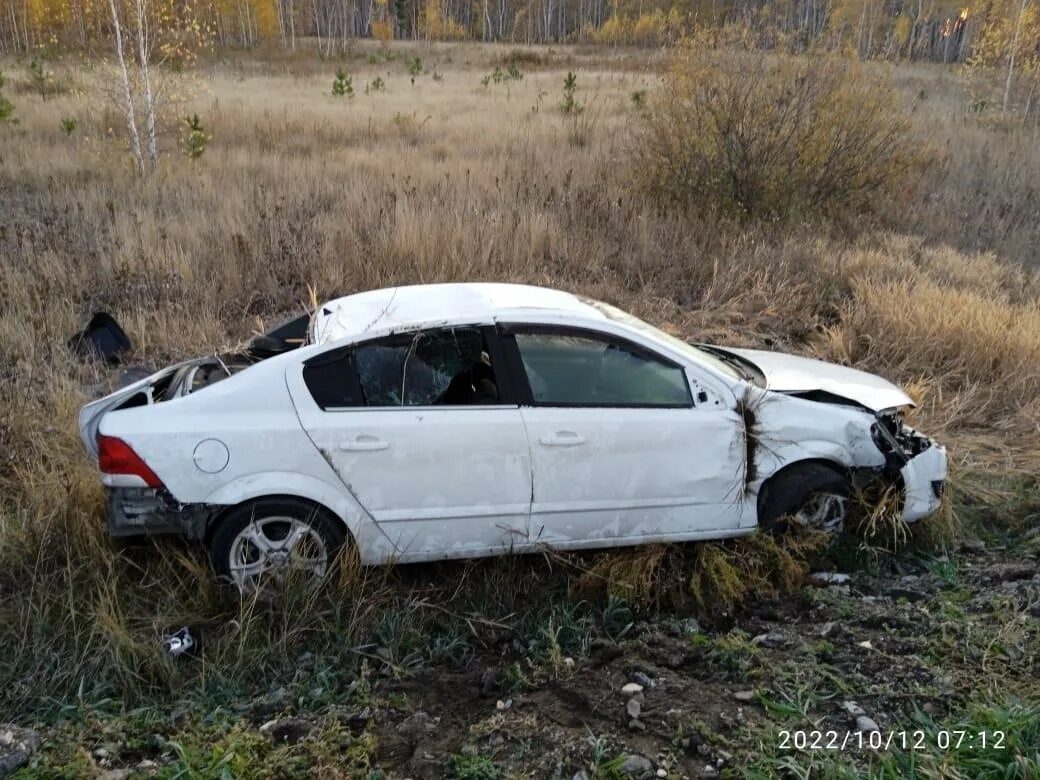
(454, 173)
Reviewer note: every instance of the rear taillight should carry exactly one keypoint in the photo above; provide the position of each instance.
(116, 457)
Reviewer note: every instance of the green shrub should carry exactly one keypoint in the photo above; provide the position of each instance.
(569, 105)
(773, 136)
(343, 84)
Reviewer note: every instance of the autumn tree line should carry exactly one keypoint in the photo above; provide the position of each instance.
(915, 29)
(1001, 34)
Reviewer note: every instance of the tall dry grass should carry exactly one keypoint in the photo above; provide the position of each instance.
(444, 180)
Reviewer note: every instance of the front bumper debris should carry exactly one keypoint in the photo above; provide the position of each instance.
(924, 477)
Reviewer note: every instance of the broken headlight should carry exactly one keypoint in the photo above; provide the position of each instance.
(897, 441)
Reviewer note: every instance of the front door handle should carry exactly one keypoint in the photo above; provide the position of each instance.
(562, 439)
(363, 442)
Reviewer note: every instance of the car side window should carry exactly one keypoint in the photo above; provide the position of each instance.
(442, 367)
(582, 369)
(332, 380)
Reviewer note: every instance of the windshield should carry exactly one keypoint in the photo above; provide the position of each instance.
(695, 353)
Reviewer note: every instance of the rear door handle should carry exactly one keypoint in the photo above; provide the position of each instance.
(363, 442)
(562, 439)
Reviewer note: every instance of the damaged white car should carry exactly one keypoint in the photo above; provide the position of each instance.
(461, 420)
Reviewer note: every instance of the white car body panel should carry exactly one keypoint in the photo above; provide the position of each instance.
(605, 474)
(419, 483)
(796, 374)
(439, 481)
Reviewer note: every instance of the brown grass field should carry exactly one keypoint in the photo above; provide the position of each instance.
(448, 179)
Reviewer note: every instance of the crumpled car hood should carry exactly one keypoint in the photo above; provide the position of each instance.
(794, 374)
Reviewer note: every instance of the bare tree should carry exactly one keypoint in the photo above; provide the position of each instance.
(129, 110)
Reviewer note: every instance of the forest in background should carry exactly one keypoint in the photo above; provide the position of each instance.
(935, 30)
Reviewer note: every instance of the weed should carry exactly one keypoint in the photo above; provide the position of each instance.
(343, 84)
(415, 67)
(40, 78)
(68, 125)
(569, 104)
(469, 765)
(196, 140)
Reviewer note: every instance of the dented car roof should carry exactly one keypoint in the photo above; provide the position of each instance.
(408, 307)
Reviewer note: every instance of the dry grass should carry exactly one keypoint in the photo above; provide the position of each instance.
(298, 190)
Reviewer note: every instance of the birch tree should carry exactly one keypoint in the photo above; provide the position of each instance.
(147, 35)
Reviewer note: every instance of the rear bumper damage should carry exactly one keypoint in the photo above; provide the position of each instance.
(134, 511)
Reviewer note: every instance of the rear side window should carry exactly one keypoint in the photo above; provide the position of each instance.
(441, 367)
(580, 369)
(332, 380)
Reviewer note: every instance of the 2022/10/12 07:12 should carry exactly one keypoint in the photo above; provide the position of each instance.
(953, 739)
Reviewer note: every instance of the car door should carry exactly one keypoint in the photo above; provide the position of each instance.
(620, 449)
(423, 430)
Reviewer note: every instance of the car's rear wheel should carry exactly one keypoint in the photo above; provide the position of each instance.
(267, 543)
(810, 496)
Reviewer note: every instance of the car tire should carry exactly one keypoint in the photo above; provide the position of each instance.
(812, 496)
(263, 542)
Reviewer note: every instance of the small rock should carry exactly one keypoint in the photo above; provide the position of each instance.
(866, 645)
(490, 682)
(853, 709)
(828, 578)
(827, 628)
(745, 696)
(928, 708)
(633, 708)
(101, 753)
(636, 725)
(286, 730)
(416, 727)
(1010, 572)
(662, 772)
(906, 593)
(772, 639)
(146, 763)
(631, 689)
(568, 662)
(16, 747)
(973, 546)
(642, 679)
(863, 723)
(635, 764)
(581, 774)
(724, 756)
(690, 626)
(501, 706)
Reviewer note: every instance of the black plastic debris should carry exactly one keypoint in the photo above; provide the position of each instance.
(294, 330)
(102, 339)
(286, 336)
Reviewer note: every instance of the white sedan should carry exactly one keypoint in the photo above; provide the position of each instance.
(461, 420)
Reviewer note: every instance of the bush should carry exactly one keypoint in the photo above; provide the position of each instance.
(766, 135)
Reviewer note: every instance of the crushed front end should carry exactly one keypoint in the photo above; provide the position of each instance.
(914, 461)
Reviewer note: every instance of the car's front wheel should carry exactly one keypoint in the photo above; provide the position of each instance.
(273, 540)
(810, 496)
